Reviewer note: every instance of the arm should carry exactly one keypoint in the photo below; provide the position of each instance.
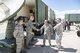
(15, 33)
(51, 30)
(55, 27)
(33, 27)
(42, 28)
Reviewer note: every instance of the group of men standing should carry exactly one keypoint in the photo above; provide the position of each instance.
(67, 25)
(19, 31)
(48, 31)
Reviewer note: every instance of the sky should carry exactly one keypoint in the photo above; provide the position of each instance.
(61, 7)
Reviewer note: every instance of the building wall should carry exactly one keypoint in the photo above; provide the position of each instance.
(41, 11)
(24, 11)
(46, 12)
(51, 15)
(73, 17)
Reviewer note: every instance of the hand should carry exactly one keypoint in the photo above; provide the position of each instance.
(23, 22)
(37, 29)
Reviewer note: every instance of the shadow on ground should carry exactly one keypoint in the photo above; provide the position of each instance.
(70, 50)
(41, 37)
(39, 49)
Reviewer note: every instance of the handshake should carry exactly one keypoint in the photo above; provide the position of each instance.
(37, 29)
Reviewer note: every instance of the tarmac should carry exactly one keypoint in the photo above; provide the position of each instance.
(70, 43)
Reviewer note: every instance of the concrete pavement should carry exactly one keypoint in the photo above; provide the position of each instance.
(70, 43)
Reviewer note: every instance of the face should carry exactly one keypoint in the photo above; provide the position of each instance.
(45, 22)
(26, 19)
(58, 21)
(31, 18)
(21, 22)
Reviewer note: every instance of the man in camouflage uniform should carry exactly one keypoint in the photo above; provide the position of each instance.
(19, 35)
(29, 27)
(59, 33)
(47, 32)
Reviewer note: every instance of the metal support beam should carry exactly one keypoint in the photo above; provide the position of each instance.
(10, 28)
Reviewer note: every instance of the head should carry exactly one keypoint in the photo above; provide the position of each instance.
(46, 22)
(31, 18)
(20, 20)
(25, 19)
(58, 20)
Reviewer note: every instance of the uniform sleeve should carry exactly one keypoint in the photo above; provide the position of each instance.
(51, 29)
(33, 27)
(42, 28)
(15, 33)
(55, 27)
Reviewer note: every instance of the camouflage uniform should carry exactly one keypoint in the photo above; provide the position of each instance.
(59, 32)
(47, 33)
(19, 35)
(30, 34)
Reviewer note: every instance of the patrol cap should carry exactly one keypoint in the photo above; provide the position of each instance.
(18, 18)
(25, 18)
